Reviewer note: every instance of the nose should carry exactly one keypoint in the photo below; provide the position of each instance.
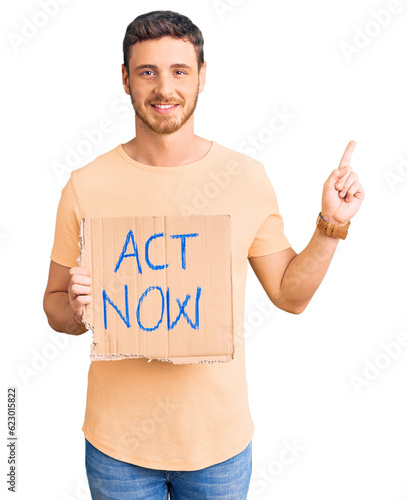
(164, 86)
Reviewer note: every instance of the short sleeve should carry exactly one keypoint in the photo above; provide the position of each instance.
(66, 248)
(270, 237)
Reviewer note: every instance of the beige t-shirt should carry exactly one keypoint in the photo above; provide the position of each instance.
(157, 414)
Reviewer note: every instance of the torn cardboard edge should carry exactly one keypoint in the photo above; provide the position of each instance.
(79, 260)
(185, 359)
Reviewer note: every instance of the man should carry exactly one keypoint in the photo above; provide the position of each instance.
(153, 427)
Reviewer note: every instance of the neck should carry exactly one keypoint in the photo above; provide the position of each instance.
(180, 148)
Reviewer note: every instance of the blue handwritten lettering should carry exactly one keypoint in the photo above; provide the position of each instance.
(123, 255)
(139, 304)
(107, 299)
(183, 236)
(152, 266)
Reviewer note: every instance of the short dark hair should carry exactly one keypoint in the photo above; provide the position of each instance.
(159, 23)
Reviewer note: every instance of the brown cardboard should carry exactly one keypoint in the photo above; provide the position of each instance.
(141, 264)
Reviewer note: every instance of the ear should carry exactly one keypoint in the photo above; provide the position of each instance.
(125, 79)
(202, 77)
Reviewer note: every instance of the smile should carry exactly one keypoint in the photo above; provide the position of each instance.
(164, 109)
(164, 106)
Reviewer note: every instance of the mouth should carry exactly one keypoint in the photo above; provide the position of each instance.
(164, 108)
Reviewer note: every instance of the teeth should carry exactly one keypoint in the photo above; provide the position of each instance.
(164, 106)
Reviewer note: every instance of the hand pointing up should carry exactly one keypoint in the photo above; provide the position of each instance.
(342, 194)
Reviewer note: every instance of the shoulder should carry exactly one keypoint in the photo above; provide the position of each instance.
(99, 165)
(239, 162)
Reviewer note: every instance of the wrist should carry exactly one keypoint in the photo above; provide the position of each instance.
(334, 229)
(332, 220)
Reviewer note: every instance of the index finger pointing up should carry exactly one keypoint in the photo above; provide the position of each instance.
(345, 160)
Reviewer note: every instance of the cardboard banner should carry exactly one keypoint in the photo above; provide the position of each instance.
(161, 287)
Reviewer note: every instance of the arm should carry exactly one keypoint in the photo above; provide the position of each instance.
(67, 291)
(290, 279)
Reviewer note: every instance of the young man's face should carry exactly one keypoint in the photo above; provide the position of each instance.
(164, 83)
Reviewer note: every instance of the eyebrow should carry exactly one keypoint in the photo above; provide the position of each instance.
(153, 66)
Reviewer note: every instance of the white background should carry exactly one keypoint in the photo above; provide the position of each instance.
(262, 55)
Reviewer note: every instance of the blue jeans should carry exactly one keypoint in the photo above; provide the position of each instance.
(111, 479)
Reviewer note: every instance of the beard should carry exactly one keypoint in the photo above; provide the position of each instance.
(162, 124)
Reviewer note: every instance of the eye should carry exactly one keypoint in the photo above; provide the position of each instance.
(147, 71)
(180, 72)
